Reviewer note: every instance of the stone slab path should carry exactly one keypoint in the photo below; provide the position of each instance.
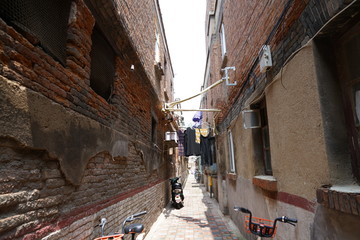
(200, 218)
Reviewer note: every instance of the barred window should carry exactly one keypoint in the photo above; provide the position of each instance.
(43, 20)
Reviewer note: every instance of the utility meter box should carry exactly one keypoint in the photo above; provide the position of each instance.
(265, 58)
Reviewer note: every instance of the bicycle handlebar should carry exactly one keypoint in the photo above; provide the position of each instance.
(139, 214)
(285, 219)
(261, 229)
(241, 209)
(290, 220)
(132, 218)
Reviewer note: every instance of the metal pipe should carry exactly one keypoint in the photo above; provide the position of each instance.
(172, 104)
(201, 110)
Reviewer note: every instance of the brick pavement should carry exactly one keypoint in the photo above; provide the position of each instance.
(200, 218)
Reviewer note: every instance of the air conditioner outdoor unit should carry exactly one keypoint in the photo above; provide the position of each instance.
(170, 136)
(251, 118)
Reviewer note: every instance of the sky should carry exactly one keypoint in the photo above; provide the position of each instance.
(184, 22)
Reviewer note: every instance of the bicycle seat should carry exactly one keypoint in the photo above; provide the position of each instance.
(134, 228)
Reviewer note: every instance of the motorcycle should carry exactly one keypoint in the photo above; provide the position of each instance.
(177, 195)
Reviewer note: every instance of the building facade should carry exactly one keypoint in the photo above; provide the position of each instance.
(287, 134)
(82, 130)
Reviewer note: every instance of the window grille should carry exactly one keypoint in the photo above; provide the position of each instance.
(44, 20)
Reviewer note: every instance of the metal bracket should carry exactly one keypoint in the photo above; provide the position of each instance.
(226, 77)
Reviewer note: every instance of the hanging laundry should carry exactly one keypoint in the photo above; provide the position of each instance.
(204, 132)
(191, 147)
(207, 147)
(181, 142)
(197, 135)
(197, 116)
(200, 132)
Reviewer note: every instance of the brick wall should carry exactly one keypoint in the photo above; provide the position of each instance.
(57, 181)
(142, 32)
(346, 202)
(37, 200)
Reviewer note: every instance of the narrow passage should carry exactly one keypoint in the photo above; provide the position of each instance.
(200, 218)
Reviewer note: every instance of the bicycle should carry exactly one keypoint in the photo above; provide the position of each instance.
(132, 229)
(263, 227)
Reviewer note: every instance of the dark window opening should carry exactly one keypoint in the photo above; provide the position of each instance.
(153, 129)
(102, 65)
(43, 22)
(264, 137)
(347, 52)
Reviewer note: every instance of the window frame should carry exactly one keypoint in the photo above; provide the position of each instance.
(231, 151)
(157, 48)
(265, 139)
(223, 41)
(350, 85)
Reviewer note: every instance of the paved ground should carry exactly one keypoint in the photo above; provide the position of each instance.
(200, 218)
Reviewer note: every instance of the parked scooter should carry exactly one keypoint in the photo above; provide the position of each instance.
(177, 195)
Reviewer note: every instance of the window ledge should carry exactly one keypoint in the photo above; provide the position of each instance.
(268, 183)
(344, 198)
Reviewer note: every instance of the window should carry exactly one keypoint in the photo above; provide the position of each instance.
(102, 64)
(157, 48)
(348, 48)
(264, 138)
(231, 152)
(43, 22)
(223, 41)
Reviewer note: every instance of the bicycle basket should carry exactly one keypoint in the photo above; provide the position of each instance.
(114, 236)
(260, 226)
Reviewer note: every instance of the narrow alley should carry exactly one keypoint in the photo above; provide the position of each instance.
(200, 218)
(103, 103)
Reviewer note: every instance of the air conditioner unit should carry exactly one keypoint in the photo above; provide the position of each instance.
(265, 58)
(170, 136)
(251, 118)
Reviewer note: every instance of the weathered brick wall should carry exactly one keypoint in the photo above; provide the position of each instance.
(142, 31)
(38, 199)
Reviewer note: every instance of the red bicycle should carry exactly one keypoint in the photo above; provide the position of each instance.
(133, 229)
(263, 227)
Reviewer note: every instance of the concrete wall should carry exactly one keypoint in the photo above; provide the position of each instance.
(69, 156)
(295, 128)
